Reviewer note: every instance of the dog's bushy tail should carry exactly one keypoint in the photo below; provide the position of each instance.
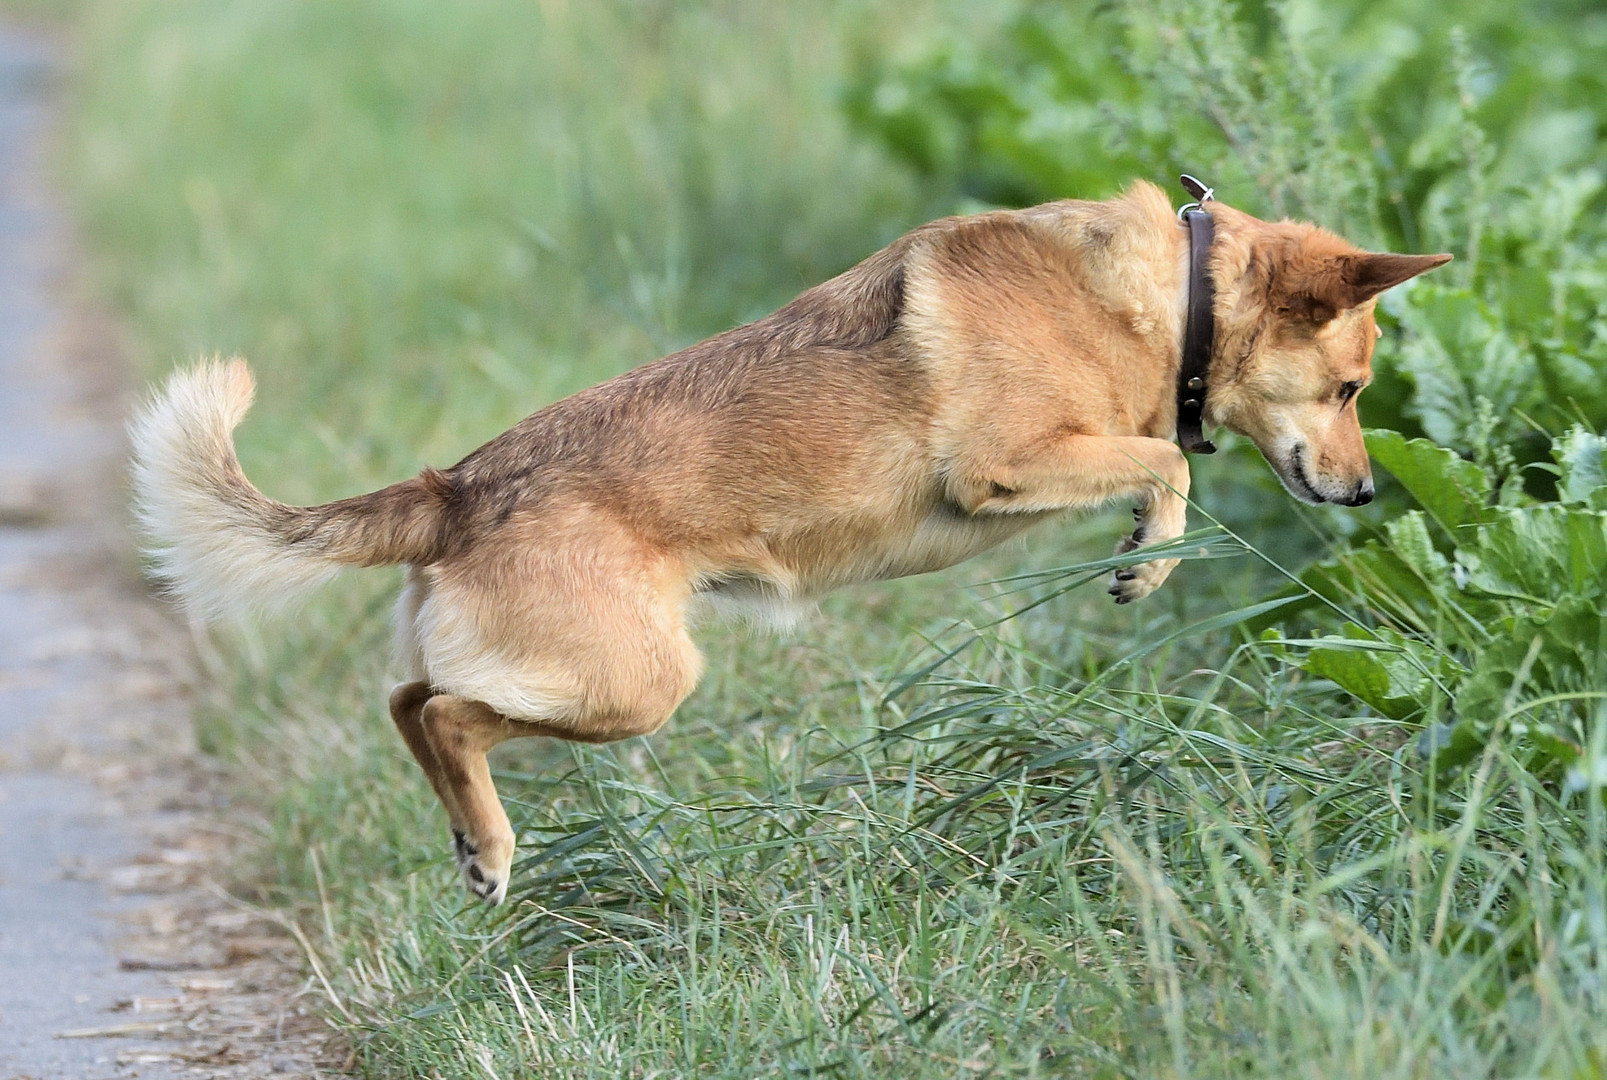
(223, 546)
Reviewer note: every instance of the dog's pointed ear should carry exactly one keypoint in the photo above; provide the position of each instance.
(1340, 282)
(1368, 274)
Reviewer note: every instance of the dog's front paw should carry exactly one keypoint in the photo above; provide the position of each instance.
(485, 871)
(1139, 580)
(462, 850)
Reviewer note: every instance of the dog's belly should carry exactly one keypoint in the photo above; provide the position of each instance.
(778, 598)
(944, 537)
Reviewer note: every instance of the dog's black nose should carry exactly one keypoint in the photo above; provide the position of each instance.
(1364, 493)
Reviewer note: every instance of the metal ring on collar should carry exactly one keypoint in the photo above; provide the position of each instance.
(1199, 190)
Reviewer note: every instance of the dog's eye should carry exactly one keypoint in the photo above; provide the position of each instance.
(1349, 390)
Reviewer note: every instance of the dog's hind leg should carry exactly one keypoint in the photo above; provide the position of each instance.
(582, 641)
(407, 704)
(407, 709)
(459, 732)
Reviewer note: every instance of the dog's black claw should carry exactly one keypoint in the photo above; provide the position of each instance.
(1124, 599)
(1138, 513)
(1126, 575)
(1139, 534)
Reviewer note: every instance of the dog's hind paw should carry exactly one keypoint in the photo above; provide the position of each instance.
(490, 887)
(480, 872)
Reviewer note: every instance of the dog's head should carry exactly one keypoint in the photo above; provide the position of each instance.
(1295, 347)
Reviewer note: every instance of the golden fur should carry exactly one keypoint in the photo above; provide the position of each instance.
(976, 376)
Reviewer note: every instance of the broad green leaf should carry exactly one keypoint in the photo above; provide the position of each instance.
(1409, 539)
(1457, 352)
(1572, 381)
(1540, 660)
(1581, 458)
(1389, 672)
(1441, 399)
(1452, 490)
(1377, 577)
(1546, 552)
(1450, 745)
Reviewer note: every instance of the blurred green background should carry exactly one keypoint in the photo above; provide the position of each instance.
(1327, 805)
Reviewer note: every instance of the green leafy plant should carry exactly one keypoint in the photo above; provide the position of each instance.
(1478, 616)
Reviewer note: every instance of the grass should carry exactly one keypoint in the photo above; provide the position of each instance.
(1089, 841)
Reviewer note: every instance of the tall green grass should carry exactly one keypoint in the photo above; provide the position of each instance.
(982, 823)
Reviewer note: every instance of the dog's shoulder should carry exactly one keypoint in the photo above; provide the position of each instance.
(1007, 269)
(1128, 253)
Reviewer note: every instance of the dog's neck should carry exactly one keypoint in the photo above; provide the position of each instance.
(1233, 334)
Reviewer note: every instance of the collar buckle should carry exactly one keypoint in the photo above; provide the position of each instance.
(1201, 192)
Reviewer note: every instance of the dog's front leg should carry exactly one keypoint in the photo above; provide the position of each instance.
(1078, 471)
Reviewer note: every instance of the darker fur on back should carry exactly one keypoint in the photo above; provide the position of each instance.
(737, 389)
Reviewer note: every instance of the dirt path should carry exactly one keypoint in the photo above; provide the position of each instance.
(118, 956)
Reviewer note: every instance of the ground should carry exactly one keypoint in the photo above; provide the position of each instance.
(120, 954)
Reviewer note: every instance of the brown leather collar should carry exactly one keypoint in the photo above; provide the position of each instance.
(1199, 327)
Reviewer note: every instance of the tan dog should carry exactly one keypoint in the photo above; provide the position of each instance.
(976, 376)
